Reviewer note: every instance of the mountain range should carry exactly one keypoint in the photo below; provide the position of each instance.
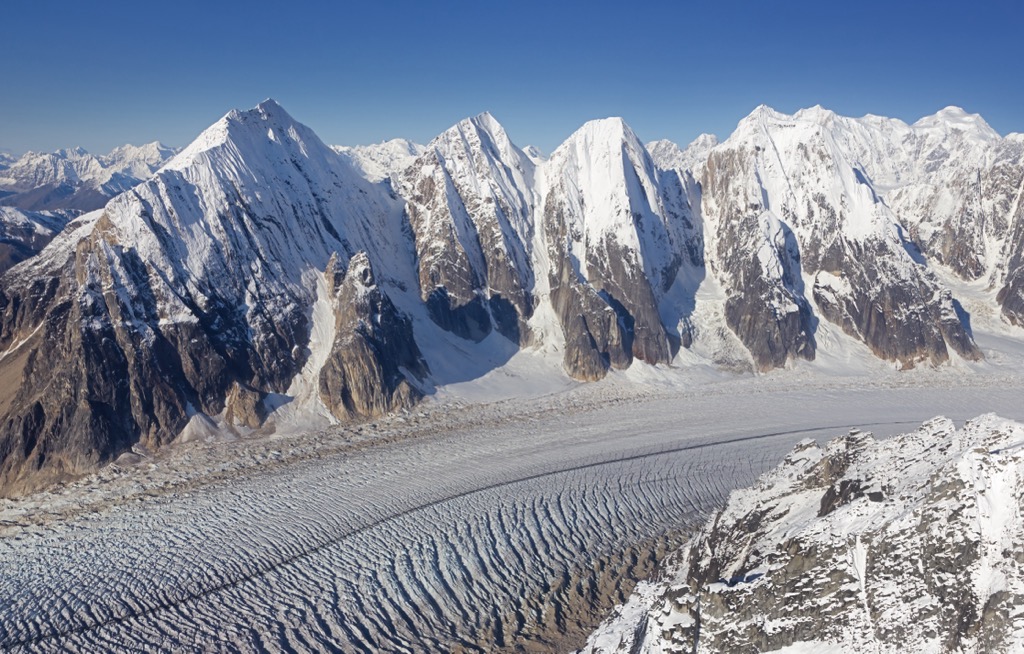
(41, 192)
(260, 279)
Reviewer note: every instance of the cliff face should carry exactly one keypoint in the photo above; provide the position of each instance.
(470, 203)
(908, 544)
(374, 353)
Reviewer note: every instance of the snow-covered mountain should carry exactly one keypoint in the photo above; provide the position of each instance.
(381, 160)
(617, 237)
(911, 544)
(470, 201)
(73, 179)
(195, 290)
(952, 184)
(826, 245)
(260, 276)
(667, 155)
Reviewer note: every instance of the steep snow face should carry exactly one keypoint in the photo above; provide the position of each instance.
(908, 544)
(76, 180)
(256, 192)
(470, 202)
(381, 161)
(787, 189)
(189, 292)
(617, 240)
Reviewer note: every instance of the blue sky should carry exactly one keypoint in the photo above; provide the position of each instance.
(102, 74)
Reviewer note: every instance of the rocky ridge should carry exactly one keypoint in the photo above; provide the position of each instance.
(908, 544)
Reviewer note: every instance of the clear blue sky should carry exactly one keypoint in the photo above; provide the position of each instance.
(98, 74)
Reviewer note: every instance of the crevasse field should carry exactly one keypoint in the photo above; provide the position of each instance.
(479, 523)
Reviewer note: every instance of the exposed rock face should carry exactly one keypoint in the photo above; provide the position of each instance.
(949, 177)
(245, 407)
(374, 352)
(1009, 277)
(758, 259)
(785, 188)
(951, 181)
(911, 544)
(617, 236)
(1011, 293)
(470, 204)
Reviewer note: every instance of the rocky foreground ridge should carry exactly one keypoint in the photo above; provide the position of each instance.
(912, 544)
(259, 275)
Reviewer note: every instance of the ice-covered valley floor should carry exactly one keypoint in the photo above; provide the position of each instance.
(484, 526)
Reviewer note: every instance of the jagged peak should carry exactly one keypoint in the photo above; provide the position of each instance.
(664, 144)
(484, 123)
(72, 153)
(758, 119)
(763, 112)
(267, 122)
(271, 107)
(486, 120)
(482, 132)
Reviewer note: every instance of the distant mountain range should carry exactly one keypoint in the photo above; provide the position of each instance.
(41, 192)
(260, 276)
